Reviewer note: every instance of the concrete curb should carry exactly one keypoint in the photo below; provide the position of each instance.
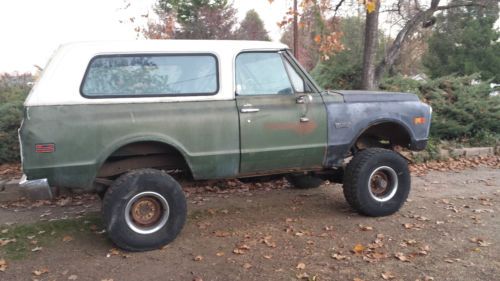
(468, 152)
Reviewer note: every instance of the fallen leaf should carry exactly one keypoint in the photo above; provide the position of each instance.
(110, 279)
(480, 242)
(219, 254)
(3, 265)
(40, 271)
(267, 240)
(67, 238)
(388, 275)
(247, 265)
(357, 279)
(36, 249)
(338, 257)
(72, 277)
(220, 233)
(374, 257)
(358, 249)
(198, 258)
(116, 252)
(401, 257)
(301, 266)
(238, 251)
(268, 257)
(409, 225)
(365, 227)
(5, 241)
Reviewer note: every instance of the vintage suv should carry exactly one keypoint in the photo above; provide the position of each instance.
(120, 118)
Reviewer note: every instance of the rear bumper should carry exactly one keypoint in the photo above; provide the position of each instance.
(38, 189)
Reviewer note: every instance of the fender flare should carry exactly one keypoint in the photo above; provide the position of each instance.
(110, 149)
(382, 121)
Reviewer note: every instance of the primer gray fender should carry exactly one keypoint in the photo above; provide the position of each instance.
(348, 120)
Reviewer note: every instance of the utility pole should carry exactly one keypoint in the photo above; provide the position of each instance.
(295, 31)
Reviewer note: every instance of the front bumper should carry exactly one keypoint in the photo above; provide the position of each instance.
(38, 189)
(418, 145)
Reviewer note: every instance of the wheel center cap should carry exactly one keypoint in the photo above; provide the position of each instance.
(146, 211)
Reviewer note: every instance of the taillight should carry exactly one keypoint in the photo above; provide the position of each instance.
(45, 148)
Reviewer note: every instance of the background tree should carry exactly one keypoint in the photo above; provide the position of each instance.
(193, 19)
(464, 41)
(421, 17)
(311, 27)
(368, 80)
(13, 91)
(343, 70)
(252, 28)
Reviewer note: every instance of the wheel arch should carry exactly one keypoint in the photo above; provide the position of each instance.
(110, 150)
(394, 129)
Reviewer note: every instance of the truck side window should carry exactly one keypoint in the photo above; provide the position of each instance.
(297, 81)
(138, 75)
(261, 73)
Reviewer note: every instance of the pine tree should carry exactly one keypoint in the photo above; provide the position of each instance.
(200, 19)
(252, 28)
(464, 42)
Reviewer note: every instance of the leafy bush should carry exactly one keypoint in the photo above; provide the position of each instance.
(13, 92)
(463, 110)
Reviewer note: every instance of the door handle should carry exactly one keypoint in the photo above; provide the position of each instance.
(304, 99)
(249, 110)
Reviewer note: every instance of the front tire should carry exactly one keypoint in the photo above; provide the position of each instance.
(377, 182)
(144, 210)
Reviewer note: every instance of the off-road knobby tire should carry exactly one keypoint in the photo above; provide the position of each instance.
(304, 181)
(130, 184)
(356, 181)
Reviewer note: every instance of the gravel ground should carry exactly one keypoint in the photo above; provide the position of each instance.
(448, 230)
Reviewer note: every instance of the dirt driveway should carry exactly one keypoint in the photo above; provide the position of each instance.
(448, 230)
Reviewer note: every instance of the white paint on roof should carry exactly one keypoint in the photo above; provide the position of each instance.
(61, 79)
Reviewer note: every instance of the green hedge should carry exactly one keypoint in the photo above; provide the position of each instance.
(463, 109)
(13, 92)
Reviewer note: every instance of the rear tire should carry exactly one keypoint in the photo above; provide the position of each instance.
(304, 181)
(377, 182)
(144, 210)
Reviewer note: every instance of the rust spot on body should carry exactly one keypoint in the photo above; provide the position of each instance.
(300, 128)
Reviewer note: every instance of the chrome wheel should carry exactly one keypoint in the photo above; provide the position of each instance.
(147, 212)
(383, 183)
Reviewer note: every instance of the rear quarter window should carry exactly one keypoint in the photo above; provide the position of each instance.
(139, 75)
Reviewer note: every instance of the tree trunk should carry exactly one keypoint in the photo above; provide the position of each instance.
(370, 49)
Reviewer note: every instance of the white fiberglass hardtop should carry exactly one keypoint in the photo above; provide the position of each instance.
(61, 80)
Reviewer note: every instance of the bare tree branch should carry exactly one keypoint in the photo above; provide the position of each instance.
(337, 7)
(410, 28)
(440, 8)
